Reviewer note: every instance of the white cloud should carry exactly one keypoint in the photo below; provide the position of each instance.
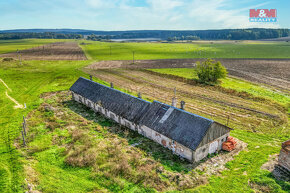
(177, 14)
(165, 4)
(217, 14)
(102, 4)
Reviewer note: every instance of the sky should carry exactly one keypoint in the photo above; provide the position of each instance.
(111, 15)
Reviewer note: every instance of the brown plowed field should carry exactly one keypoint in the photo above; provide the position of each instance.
(274, 72)
(242, 113)
(54, 51)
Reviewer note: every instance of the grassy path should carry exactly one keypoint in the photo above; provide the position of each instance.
(5, 85)
(12, 99)
(15, 101)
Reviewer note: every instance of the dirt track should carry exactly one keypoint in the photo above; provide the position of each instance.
(54, 51)
(274, 72)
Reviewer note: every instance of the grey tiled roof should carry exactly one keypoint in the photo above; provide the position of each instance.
(185, 128)
(122, 104)
(181, 126)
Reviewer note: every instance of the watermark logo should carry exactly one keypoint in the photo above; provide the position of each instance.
(263, 15)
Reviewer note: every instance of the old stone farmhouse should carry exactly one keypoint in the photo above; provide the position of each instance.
(187, 135)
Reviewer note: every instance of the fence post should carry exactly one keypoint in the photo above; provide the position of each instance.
(23, 138)
(24, 125)
(24, 128)
(24, 121)
(228, 120)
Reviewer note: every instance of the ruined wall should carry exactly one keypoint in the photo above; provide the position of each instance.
(215, 131)
(176, 148)
(284, 156)
(98, 108)
(215, 145)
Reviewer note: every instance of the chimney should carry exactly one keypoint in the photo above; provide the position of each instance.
(91, 77)
(182, 105)
(174, 101)
(112, 85)
(139, 95)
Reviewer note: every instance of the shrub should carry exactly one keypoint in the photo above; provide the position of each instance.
(7, 59)
(210, 71)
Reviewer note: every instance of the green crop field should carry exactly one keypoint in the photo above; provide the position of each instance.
(51, 140)
(12, 45)
(143, 51)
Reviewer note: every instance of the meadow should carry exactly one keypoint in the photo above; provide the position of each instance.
(44, 162)
(143, 51)
(7, 46)
(27, 82)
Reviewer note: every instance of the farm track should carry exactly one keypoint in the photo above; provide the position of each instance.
(273, 72)
(202, 96)
(53, 51)
(198, 100)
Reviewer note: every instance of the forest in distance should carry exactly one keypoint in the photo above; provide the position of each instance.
(170, 35)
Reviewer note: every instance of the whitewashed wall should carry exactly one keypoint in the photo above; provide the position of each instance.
(203, 151)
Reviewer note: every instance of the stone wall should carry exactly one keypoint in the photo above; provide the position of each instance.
(203, 151)
(176, 147)
(284, 157)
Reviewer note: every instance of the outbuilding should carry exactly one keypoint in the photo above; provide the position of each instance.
(188, 135)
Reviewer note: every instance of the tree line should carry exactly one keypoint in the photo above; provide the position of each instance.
(45, 35)
(227, 34)
(170, 35)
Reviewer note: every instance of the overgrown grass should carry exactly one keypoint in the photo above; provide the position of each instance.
(233, 83)
(243, 49)
(75, 143)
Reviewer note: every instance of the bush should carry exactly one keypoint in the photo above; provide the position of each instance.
(210, 71)
(7, 59)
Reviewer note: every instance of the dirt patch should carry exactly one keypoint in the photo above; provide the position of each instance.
(53, 51)
(217, 163)
(278, 172)
(274, 72)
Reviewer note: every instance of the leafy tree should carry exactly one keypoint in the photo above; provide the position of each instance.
(210, 71)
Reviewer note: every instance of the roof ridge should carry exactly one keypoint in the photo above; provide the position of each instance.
(115, 90)
(184, 111)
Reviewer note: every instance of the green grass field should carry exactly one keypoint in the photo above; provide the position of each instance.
(143, 51)
(28, 81)
(12, 45)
